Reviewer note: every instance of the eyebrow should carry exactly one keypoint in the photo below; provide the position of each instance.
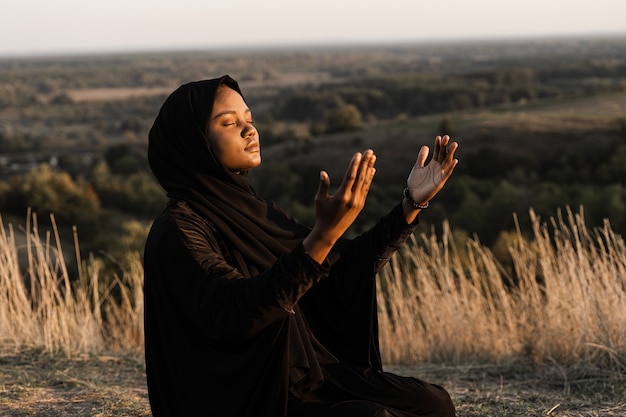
(229, 112)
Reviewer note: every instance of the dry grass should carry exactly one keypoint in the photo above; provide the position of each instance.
(42, 306)
(36, 383)
(481, 390)
(565, 305)
(553, 343)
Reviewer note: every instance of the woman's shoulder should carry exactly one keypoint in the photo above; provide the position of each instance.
(178, 218)
(196, 234)
(181, 215)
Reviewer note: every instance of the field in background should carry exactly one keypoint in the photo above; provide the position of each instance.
(541, 124)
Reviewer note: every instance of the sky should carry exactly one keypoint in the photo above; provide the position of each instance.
(44, 27)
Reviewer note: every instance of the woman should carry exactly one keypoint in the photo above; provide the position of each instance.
(248, 312)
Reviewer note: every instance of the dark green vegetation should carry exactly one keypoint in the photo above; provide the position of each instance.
(541, 124)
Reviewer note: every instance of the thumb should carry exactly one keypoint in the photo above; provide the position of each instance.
(322, 190)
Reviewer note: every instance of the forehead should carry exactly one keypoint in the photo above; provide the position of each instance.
(226, 96)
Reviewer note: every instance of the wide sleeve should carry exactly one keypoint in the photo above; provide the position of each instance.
(380, 242)
(192, 269)
(342, 309)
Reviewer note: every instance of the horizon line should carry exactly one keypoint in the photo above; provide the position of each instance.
(330, 44)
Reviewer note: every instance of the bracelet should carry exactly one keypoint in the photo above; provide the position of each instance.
(416, 206)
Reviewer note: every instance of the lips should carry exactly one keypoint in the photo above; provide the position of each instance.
(253, 147)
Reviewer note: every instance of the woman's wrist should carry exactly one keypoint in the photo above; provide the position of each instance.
(415, 205)
(317, 245)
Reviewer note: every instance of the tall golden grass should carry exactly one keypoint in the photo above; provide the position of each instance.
(41, 306)
(562, 300)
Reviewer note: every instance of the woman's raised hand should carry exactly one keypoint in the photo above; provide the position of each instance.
(425, 181)
(335, 213)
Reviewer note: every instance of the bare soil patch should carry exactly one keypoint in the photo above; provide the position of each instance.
(292, 78)
(33, 383)
(574, 115)
(525, 390)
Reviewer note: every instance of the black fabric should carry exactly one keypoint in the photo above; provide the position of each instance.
(356, 391)
(239, 321)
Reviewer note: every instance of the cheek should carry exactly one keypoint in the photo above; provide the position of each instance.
(221, 154)
(230, 157)
(218, 146)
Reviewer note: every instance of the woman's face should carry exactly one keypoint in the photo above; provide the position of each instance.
(231, 134)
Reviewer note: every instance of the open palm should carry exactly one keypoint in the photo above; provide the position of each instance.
(425, 181)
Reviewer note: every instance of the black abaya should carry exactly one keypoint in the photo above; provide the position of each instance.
(239, 320)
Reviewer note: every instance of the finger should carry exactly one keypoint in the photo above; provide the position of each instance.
(422, 156)
(324, 186)
(451, 150)
(449, 155)
(437, 147)
(447, 172)
(351, 172)
(369, 174)
(365, 170)
(449, 163)
(371, 171)
(442, 151)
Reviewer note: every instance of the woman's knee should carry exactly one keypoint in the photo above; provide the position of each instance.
(443, 405)
(437, 403)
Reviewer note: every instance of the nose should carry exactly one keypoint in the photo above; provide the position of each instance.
(248, 131)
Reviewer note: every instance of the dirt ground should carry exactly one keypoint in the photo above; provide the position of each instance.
(35, 384)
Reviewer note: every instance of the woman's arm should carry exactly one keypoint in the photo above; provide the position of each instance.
(187, 271)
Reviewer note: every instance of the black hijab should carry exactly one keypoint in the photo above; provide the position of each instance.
(186, 167)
